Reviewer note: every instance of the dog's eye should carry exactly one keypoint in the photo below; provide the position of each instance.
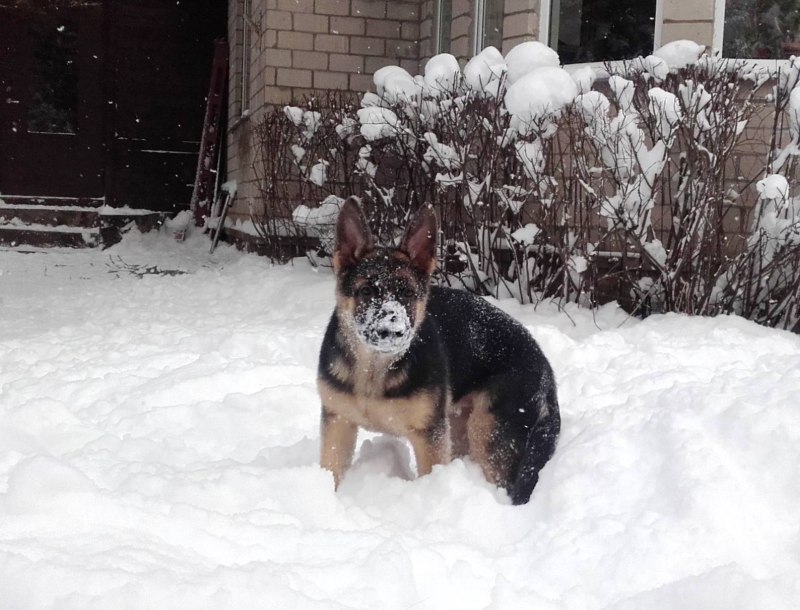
(408, 293)
(366, 292)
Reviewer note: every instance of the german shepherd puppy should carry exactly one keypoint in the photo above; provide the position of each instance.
(440, 367)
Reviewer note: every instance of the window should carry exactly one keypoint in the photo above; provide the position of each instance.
(600, 30)
(247, 40)
(444, 18)
(761, 29)
(54, 78)
(484, 26)
(488, 25)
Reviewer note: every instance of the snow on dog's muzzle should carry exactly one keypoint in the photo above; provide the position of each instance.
(385, 327)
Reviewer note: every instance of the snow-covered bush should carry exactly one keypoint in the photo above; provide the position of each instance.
(478, 149)
(549, 184)
(763, 282)
(673, 184)
(300, 163)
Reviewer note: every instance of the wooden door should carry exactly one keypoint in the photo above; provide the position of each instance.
(52, 111)
(159, 71)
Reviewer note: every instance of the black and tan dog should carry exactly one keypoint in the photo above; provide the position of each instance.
(440, 367)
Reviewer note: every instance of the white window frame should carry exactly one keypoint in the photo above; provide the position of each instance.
(719, 24)
(478, 23)
(247, 41)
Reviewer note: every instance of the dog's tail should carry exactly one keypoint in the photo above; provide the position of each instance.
(539, 448)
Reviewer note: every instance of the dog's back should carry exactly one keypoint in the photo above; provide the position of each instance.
(499, 376)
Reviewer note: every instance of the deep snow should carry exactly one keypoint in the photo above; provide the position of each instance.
(158, 449)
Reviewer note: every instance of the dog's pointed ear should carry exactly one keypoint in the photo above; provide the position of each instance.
(353, 237)
(419, 241)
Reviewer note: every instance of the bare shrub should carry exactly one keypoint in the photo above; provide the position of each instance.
(628, 191)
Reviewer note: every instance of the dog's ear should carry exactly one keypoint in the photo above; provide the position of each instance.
(419, 241)
(353, 237)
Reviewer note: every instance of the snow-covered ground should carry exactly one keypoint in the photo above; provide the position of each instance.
(158, 449)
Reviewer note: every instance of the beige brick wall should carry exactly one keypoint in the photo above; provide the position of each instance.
(461, 30)
(298, 46)
(521, 22)
(427, 30)
(692, 19)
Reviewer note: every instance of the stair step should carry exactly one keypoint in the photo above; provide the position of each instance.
(64, 222)
(44, 236)
(29, 200)
(49, 215)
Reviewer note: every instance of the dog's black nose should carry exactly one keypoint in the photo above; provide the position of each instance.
(386, 333)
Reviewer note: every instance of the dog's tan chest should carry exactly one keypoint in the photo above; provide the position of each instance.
(374, 411)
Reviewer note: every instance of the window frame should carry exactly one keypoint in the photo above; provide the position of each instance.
(246, 58)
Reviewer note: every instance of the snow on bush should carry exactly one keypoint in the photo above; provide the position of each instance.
(377, 123)
(484, 72)
(528, 56)
(628, 185)
(537, 96)
(680, 53)
(441, 74)
(395, 84)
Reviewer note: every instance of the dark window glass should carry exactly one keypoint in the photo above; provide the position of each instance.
(54, 78)
(492, 24)
(443, 23)
(600, 30)
(247, 57)
(761, 29)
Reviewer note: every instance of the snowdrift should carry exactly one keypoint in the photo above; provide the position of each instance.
(158, 449)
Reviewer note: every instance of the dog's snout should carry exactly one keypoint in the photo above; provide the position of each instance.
(388, 328)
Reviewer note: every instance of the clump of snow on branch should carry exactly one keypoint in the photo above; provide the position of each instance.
(308, 119)
(777, 215)
(440, 154)
(584, 78)
(377, 123)
(319, 221)
(528, 56)
(319, 173)
(395, 84)
(484, 72)
(537, 96)
(680, 53)
(441, 74)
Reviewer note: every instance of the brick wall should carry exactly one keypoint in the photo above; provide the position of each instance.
(299, 46)
(521, 22)
(692, 19)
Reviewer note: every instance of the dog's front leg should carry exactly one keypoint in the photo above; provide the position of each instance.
(338, 436)
(431, 446)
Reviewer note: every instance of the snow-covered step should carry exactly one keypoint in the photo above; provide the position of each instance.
(16, 233)
(65, 222)
(49, 222)
(46, 201)
(50, 215)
